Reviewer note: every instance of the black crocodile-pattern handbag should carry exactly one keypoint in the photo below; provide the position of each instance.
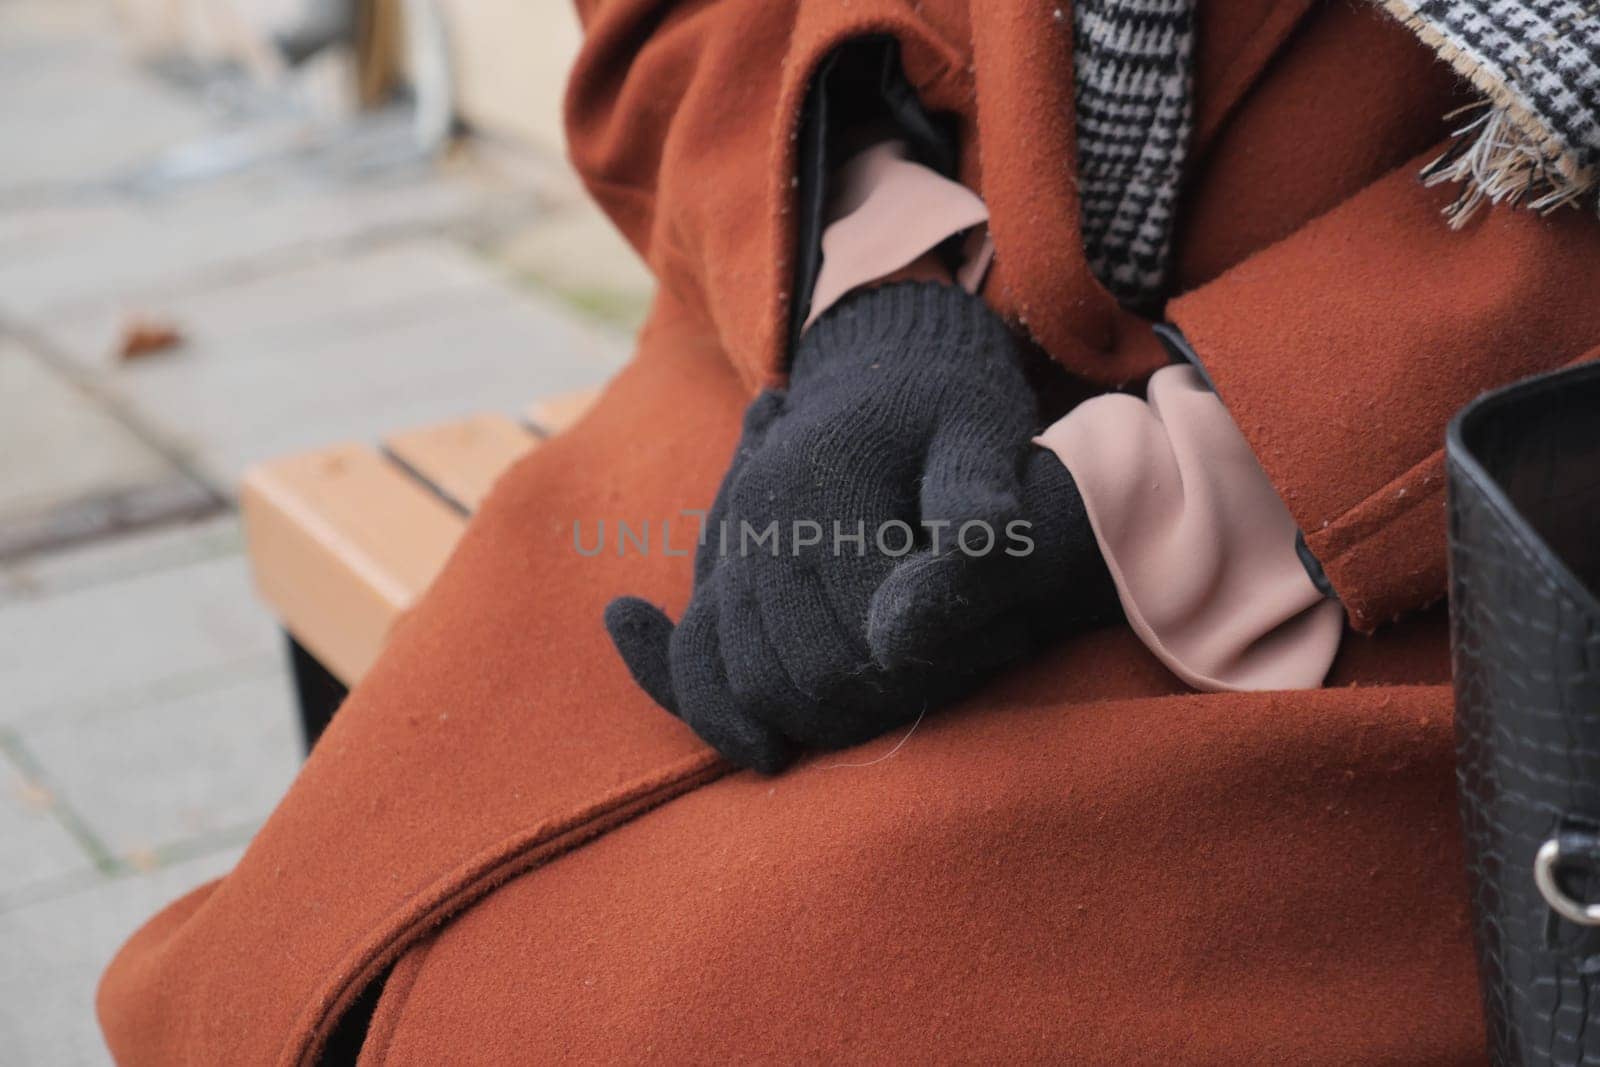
(1524, 484)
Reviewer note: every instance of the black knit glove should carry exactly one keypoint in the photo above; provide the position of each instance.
(907, 419)
(1054, 584)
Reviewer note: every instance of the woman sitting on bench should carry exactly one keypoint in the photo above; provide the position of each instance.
(1085, 372)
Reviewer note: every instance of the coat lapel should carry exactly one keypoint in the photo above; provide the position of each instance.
(1237, 41)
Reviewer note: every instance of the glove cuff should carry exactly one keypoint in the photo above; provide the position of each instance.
(1078, 582)
(904, 322)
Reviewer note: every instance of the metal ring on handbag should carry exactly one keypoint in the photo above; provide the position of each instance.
(1545, 865)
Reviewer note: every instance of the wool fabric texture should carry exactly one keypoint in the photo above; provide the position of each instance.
(883, 492)
(938, 601)
(1132, 63)
(1536, 141)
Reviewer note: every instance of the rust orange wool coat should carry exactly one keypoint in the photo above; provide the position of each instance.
(1083, 862)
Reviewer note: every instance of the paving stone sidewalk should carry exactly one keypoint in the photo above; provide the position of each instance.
(328, 286)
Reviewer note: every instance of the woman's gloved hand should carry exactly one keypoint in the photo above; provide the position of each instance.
(824, 612)
(1057, 584)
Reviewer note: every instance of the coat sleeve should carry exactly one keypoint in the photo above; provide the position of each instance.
(682, 117)
(1343, 350)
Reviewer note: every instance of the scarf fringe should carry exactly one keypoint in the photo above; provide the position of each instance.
(1497, 161)
(1506, 154)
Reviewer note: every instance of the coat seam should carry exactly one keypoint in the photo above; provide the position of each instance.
(380, 1055)
(1346, 520)
(491, 867)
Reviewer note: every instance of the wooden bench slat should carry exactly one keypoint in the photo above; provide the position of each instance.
(344, 539)
(341, 541)
(464, 458)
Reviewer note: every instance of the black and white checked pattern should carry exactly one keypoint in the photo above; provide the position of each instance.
(1537, 142)
(1543, 55)
(1537, 63)
(1132, 63)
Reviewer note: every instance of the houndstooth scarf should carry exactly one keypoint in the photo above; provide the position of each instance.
(1534, 141)
(1131, 64)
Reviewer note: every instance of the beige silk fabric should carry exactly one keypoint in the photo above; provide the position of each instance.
(1200, 546)
(885, 213)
